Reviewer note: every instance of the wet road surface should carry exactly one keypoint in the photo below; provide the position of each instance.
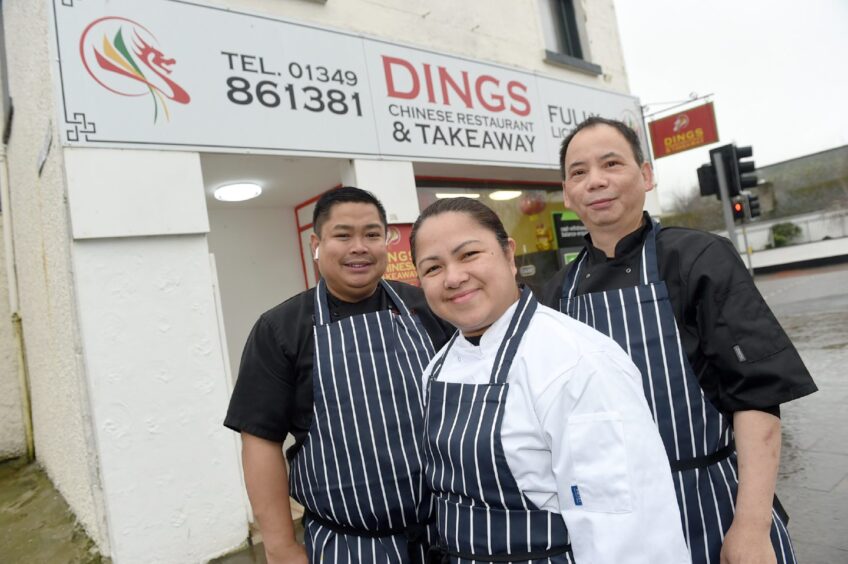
(812, 305)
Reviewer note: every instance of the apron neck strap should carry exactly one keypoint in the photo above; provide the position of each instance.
(437, 366)
(650, 271)
(569, 285)
(322, 304)
(395, 298)
(509, 345)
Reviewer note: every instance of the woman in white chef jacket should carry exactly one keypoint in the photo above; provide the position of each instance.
(539, 443)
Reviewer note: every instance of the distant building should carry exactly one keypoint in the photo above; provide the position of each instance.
(803, 185)
(811, 183)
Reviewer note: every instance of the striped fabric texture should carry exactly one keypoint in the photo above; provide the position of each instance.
(641, 320)
(480, 511)
(360, 466)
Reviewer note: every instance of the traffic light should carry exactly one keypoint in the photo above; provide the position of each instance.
(753, 206)
(707, 180)
(738, 173)
(738, 208)
(745, 171)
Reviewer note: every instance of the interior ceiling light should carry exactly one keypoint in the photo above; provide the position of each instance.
(237, 192)
(505, 194)
(442, 196)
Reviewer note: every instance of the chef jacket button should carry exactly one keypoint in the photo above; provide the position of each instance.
(628, 270)
(589, 275)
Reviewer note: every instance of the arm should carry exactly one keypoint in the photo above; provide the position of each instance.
(609, 448)
(758, 447)
(268, 489)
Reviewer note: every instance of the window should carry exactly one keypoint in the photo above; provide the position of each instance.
(563, 33)
(547, 235)
(566, 22)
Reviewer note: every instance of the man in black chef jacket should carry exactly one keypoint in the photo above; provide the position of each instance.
(339, 368)
(715, 363)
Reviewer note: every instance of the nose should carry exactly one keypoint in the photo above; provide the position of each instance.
(358, 245)
(596, 178)
(455, 275)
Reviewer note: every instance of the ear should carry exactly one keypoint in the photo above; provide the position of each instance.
(510, 255)
(565, 196)
(648, 176)
(314, 241)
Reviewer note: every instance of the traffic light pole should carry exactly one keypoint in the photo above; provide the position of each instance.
(724, 191)
(748, 251)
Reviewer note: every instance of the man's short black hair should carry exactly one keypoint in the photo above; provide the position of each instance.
(343, 195)
(626, 131)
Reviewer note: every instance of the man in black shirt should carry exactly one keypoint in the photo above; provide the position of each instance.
(339, 368)
(715, 362)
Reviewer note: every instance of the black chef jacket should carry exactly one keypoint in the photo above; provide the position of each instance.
(719, 312)
(273, 392)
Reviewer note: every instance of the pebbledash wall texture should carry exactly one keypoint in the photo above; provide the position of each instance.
(12, 437)
(125, 357)
(60, 404)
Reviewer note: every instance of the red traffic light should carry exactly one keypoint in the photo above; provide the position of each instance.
(737, 206)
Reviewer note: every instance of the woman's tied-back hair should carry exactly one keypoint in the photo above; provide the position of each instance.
(479, 212)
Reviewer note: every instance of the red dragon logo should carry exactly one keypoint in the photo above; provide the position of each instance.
(123, 57)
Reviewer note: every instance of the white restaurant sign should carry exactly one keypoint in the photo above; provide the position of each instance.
(179, 75)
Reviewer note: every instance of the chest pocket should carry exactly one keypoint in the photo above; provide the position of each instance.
(595, 439)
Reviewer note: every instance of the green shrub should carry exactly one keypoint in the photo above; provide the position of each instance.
(784, 233)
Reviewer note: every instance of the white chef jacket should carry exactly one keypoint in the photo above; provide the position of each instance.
(577, 428)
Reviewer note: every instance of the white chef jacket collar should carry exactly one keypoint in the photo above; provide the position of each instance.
(491, 339)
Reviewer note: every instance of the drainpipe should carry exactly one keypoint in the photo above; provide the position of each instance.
(17, 322)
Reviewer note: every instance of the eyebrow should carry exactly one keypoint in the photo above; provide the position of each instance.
(603, 157)
(346, 227)
(453, 251)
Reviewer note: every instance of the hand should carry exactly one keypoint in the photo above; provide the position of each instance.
(286, 554)
(747, 545)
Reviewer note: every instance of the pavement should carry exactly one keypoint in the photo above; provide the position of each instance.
(811, 304)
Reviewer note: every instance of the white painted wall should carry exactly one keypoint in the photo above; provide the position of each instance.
(147, 194)
(393, 182)
(152, 350)
(12, 438)
(41, 232)
(814, 227)
(800, 253)
(159, 394)
(256, 251)
(508, 32)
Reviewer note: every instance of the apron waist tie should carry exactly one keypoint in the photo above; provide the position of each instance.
(442, 555)
(415, 532)
(702, 461)
(718, 456)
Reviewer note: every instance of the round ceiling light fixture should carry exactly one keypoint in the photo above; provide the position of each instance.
(502, 195)
(238, 192)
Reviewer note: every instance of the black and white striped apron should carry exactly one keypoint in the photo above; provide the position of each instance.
(358, 473)
(481, 514)
(697, 437)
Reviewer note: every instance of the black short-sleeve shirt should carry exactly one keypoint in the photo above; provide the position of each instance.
(741, 355)
(273, 393)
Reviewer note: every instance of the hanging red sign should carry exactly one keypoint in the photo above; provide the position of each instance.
(682, 131)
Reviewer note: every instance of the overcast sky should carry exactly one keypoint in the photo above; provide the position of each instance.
(778, 70)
